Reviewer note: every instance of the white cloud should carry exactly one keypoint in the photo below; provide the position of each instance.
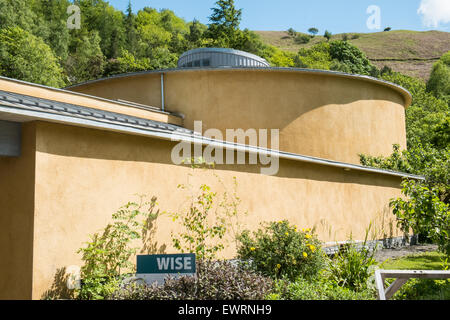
(434, 12)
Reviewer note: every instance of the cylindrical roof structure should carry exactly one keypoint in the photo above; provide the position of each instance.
(220, 57)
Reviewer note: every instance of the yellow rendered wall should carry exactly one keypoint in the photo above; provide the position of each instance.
(85, 175)
(16, 219)
(322, 115)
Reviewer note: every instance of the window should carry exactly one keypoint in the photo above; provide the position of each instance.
(205, 62)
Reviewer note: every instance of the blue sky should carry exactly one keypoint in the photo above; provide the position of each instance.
(337, 16)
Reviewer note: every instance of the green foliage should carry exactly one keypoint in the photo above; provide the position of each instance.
(350, 58)
(327, 35)
(127, 62)
(280, 250)
(206, 219)
(215, 280)
(439, 81)
(86, 60)
(313, 31)
(423, 213)
(316, 57)
(302, 38)
(291, 32)
(107, 256)
(352, 266)
(200, 234)
(420, 289)
(424, 289)
(320, 289)
(335, 55)
(281, 58)
(26, 57)
(224, 27)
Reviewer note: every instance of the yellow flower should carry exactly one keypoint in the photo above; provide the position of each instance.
(308, 230)
(305, 255)
(308, 236)
(252, 249)
(287, 233)
(312, 248)
(278, 266)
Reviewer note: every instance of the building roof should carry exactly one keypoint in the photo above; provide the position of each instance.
(23, 108)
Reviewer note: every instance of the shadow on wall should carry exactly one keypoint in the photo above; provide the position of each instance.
(97, 144)
(149, 243)
(59, 289)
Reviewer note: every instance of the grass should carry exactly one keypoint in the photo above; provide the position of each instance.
(403, 46)
(421, 261)
(420, 289)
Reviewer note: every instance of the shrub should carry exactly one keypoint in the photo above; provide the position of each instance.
(352, 266)
(352, 57)
(321, 289)
(302, 38)
(280, 250)
(424, 289)
(107, 256)
(423, 213)
(215, 280)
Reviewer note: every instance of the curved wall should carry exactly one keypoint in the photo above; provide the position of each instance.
(320, 114)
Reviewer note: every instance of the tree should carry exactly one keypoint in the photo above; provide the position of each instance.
(86, 62)
(291, 32)
(327, 35)
(26, 57)
(439, 82)
(130, 29)
(387, 29)
(350, 58)
(224, 26)
(313, 31)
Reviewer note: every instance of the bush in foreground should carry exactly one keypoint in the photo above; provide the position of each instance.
(215, 280)
(280, 250)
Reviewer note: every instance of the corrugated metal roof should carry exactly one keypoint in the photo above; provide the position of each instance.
(50, 106)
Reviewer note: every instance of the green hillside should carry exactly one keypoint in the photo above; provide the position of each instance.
(410, 52)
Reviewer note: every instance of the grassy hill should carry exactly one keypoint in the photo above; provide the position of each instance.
(410, 52)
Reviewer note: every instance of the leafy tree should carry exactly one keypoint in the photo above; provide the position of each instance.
(196, 34)
(18, 13)
(281, 58)
(100, 16)
(387, 29)
(316, 57)
(313, 31)
(87, 61)
(291, 32)
(439, 82)
(26, 57)
(52, 25)
(127, 62)
(327, 35)
(350, 58)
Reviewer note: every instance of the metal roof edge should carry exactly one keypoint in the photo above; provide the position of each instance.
(190, 137)
(64, 90)
(405, 93)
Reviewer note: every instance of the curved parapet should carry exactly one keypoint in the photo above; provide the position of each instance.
(319, 113)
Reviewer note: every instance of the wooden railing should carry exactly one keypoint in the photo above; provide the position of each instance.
(401, 277)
